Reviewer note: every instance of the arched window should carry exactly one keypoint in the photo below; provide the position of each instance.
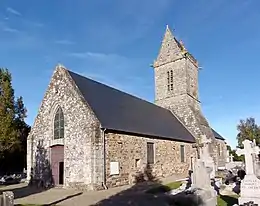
(59, 124)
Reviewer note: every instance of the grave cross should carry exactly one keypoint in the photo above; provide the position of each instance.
(231, 158)
(205, 149)
(197, 146)
(248, 151)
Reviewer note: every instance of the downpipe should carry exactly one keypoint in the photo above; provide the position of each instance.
(104, 159)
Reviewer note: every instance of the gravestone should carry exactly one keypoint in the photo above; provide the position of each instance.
(205, 156)
(201, 181)
(7, 198)
(250, 185)
(201, 171)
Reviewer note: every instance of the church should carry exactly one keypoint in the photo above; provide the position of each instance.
(90, 136)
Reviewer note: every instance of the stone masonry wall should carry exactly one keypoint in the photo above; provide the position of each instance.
(187, 109)
(179, 83)
(131, 153)
(80, 131)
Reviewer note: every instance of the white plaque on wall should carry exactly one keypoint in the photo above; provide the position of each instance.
(114, 168)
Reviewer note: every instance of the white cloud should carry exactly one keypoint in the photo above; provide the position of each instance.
(32, 23)
(11, 30)
(141, 17)
(115, 70)
(64, 42)
(13, 11)
(97, 56)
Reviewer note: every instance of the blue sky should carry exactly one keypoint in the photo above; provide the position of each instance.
(115, 42)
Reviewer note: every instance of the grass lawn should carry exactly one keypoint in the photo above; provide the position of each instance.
(165, 188)
(227, 200)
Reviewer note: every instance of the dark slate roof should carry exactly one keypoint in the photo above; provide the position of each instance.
(119, 111)
(217, 135)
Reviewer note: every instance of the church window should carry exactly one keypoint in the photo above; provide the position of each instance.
(59, 124)
(182, 153)
(150, 153)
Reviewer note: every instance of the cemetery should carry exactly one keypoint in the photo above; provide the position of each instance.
(240, 183)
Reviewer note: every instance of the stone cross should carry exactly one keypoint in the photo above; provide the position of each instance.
(205, 149)
(228, 157)
(249, 150)
(231, 158)
(196, 146)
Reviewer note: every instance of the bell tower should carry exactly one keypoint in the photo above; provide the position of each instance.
(176, 72)
(176, 87)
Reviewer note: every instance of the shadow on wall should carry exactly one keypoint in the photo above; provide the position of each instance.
(148, 190)
(41, 176)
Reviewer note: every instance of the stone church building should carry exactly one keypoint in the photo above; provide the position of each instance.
(91, 136)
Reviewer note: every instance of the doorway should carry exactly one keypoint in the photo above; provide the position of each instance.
(57, 164)
(61, 172)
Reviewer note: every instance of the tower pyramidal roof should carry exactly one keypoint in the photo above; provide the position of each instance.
(171, 49)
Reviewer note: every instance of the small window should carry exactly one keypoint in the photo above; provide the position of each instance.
(150, 153)
(137, 163)
(182, 153)
(170, 80)
(219, 150)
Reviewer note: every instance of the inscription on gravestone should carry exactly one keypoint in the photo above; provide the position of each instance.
(250, 184)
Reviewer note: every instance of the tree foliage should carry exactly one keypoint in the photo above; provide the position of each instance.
(234, 154)
(248, 129)
(13, 129)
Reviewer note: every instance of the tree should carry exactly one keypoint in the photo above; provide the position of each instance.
(248, 129)
(13, 128)
(8, 133)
